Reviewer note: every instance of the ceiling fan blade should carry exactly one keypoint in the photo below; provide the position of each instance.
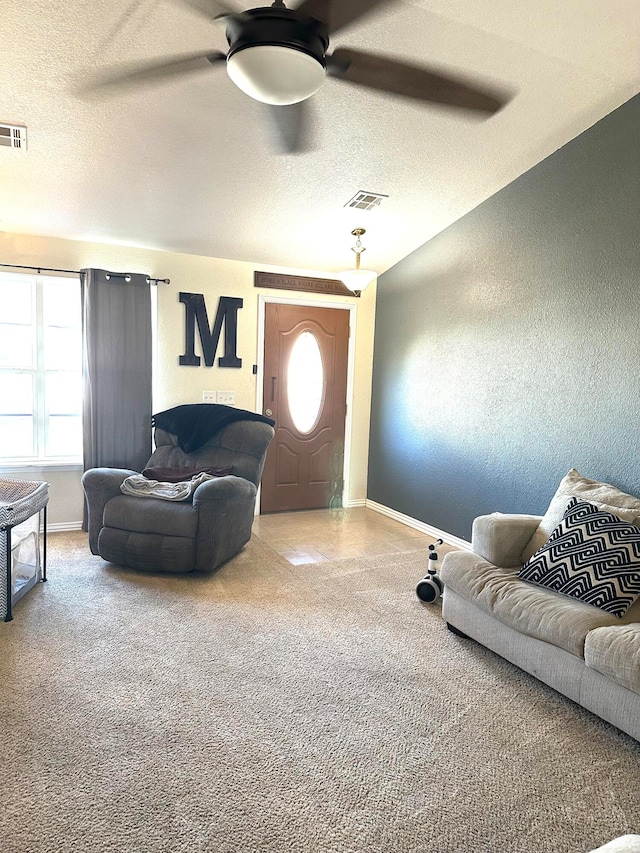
(412, 81)
(291, 128)
(338, 13)
(142, 72)
(212, 8)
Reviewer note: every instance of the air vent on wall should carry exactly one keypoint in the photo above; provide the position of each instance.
(13, 136)
(364, 200)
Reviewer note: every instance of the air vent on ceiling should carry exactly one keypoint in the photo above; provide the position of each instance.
(13, 136)
(364, 200)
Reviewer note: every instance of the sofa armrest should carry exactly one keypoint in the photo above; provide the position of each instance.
(225, 517)
(501, 538)
(229, 488)
(100, 485)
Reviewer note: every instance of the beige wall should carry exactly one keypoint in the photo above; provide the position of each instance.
(175, 384)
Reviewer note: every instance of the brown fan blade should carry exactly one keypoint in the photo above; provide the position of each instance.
(336, 14)
(211, 8)
(141, 72)
(412, 81)
(290, 124)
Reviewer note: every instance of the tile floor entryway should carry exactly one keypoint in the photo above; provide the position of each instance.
(320, 535)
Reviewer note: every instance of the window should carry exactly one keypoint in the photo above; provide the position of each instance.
(40, 369)
(305, 382)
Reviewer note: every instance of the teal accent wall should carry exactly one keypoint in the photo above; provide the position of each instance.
(507, 348)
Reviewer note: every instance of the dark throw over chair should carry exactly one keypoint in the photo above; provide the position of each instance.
(181, 536)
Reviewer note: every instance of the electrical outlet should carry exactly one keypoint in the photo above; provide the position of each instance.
(209, 397)
(226, 398)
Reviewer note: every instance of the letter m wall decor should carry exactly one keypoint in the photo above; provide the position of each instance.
(196, 312)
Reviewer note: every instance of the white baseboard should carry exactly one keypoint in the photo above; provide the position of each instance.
(62, 526)
(429, 529)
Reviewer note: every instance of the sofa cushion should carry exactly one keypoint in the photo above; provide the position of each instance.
(591, 555)
(615, 652)
(603, 495)
(145, 515)
(532, 610)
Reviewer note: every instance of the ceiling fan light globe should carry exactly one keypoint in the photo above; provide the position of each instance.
(357, 279)
(275, 74)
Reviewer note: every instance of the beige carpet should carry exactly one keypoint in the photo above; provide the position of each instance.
(310, 709)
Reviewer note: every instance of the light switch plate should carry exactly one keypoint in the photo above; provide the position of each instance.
(226, 398)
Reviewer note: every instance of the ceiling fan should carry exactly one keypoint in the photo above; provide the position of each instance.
(279, 56)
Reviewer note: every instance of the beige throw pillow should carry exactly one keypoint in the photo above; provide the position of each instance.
(574, 485)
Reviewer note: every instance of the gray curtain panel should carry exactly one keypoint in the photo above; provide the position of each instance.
(116, 331)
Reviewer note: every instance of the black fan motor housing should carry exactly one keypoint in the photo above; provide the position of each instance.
(278, 26)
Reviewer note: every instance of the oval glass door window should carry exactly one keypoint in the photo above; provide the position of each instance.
(305, 382)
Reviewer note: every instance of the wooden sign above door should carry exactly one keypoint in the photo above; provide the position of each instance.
(281, 281)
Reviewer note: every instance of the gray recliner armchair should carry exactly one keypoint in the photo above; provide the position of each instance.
(181, 536)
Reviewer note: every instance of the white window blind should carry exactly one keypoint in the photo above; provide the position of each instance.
(40, 369)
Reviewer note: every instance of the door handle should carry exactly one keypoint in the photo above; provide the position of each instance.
(268, 413)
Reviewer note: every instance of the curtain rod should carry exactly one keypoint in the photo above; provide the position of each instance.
(77, 272)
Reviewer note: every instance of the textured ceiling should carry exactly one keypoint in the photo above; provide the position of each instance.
(189, 165)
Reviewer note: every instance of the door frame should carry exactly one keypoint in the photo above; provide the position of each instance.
(313, 303)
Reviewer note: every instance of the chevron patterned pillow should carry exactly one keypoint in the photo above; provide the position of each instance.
(591, 555)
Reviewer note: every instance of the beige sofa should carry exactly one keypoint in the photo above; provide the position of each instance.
(589, 655)
(624, 844)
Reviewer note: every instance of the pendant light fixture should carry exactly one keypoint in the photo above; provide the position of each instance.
(357, 279)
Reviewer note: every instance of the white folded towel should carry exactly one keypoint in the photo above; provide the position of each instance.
(141, 487)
